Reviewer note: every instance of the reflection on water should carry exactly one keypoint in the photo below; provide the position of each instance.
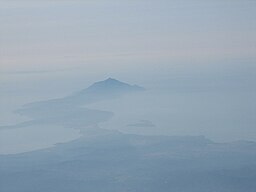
(34, 137)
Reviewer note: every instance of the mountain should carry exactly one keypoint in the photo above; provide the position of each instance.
(102, 90)
(112, 86)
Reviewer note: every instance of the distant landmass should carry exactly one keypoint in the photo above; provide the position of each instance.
(109, 161)
(98, 91)
(111, 85)
(107, 89)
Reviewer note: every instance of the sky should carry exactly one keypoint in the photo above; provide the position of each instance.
(124, 35)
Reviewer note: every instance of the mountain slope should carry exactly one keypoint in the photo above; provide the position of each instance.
(102, 90)
(111, 86)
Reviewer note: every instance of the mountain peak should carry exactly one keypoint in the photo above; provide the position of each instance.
(111, 79)
(111, 85)
(102, 90)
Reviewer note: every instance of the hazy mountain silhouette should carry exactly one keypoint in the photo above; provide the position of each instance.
(111, 86)
(71, 106)
(107, 89)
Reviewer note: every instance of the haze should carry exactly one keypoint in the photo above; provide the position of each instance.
(72, 119)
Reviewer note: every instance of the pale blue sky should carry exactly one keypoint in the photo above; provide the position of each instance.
(102, 35)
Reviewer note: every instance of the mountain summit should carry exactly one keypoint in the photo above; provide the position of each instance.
(103, 90)
(113, 86)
